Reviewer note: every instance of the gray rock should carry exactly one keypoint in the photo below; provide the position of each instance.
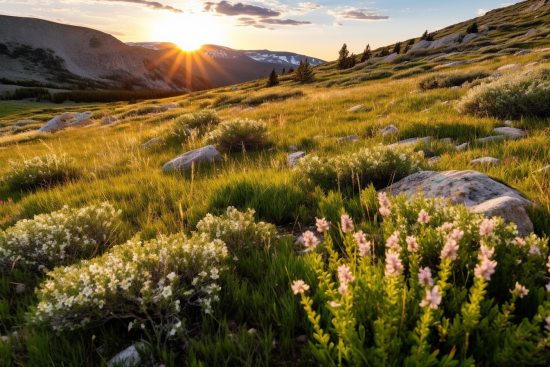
(249, 109)
(57, 123)
(420, 45)
(508, 122)
(129, 357)
(293, 158)
(15, 127)
(411, 141)
(197, 156)
(391, 57)
(462, 146)
(234, 88)
(455, 63)
(356, 108)
(152, 142)
(545, 169)
(169, 106)
(489, 139)
(508, 208)
(446, 102)
(510, 66)
(530, 32)
(469, 37)
(486, 160)
(109, 120)
(293, 148)
(446, 41)
(391, 129)
(511, 132)
(522, 52)
(532, 64)
(81, 119)
(344, 139)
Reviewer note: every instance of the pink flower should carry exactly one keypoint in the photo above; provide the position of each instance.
(344, 274)
(393, 241)
(449, 250)
(364, 246)
(383, 200)
(547, 327)
(519, 242)
(486, 228)
(385, 212)
(334, 304)
(322, 225)
(485, 252)
(423, 217)
(347, 223)
(534, 250)
(412, 245)
(485, 269)
(433, 298)
(547, 287)
(457, 234)
(521, 290)
(298, 286)
(364, 249)
(425, 276)
(548, 264)
(446, 226)
(343, 288)
(310, 240)
(393, 263)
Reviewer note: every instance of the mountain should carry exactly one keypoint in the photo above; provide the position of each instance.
(39, 52)
(225, 66)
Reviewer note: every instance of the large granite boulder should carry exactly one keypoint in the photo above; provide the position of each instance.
(391, 57)
(58, 123)
(446, 41)
(81, 119)
(420, 45)
(509, 208)
(510, 66)
(197, 156)
(469, 37)
(293, 158)
(512, 132)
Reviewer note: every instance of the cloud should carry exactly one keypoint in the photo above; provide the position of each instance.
(285, 22)
(230, 9)
(53, 9)
(357, 14)
(263, 27)
(482, 11)
(309, 5)
(148, 4)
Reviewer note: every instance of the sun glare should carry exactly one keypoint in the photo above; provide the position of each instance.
(189, 31)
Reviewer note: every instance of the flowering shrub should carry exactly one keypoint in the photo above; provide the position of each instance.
(236, 228)
(44, 171)
(157, 278)
(370, 165)
(445, 286)
(61, 237)
(511, 96)
(238, 134)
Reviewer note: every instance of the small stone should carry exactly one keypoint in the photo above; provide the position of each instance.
(510, 66)
(522, 53)
(545, 169)
(426, 110)
(391, 129)
(490, 138)
(293, 148)
(417, 91)
(127, 358)
(293, 158)
(530, 32)
(234, 88)
(197, 156)
(410, 141)
(511, 132)
(486, 160)
(20, 288)
(249, 109)
(462, 146)
(508, 122)
(169, 106)
(15, 127)
(434, 159)
(356, 108)
(510, 209)
(152, 142)
(351, 138)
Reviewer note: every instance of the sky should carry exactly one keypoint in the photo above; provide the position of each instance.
(314, 28)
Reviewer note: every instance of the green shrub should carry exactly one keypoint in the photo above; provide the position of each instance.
(238, 134)
(227, 99)
(378, 166)
(511, 96)
(442, 280)
(448, 80)
(60, 238)
(197, 119)
(45, 171)
(413, 71)
(273, 96)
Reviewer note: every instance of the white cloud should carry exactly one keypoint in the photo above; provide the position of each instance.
(482, 11)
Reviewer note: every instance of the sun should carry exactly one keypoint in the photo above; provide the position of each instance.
(188, 31)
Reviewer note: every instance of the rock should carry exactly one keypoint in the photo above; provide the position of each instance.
(437, 101)
(508, 122)
(490, 138)
(530, 32)
(511, 132)
(301, 339)
(129, 357)
(486, 160)
(351, 138)
(545, 169)
(169, 106)
(456, 87)
(15, 127)
(426, 110)
(293, 148)
(420, 45)
(462, 146)
(455, 63)
(109, 120)
(20, 288)
(234, 88)
(152, 142)
(197, 156)
(356, 108)
(446, 41)
(391, 57)
(249, 109)
(446, 102)
(81, 119)
(293, 158)
(510, 66)
(508, 208)
(429, 153)
(411, 141)
(389, 130)
(57, 123)
(522, 52)
(532, 64)
(469, 37)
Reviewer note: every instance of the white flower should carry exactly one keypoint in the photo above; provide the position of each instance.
(171, 276)
(167, 291)
(433, 298)
(521, 290)
(425, 276)
(298, 286)
(322, 225)
(535, 251)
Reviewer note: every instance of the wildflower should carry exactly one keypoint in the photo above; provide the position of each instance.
(425, 276)
(423, 217)
(130, 325)
(347, 223)
(519, 242)
(322, 225)
(343, 289)
(385, 212)
(171, 276)
(485, 269)
(521, 290)
(547, 287)
(310, 240)
(393, 241)
(485, 252)
(298, 286)
(344, 274)
(449, 250)
(456, 234)
(548, 264)
(383, 200)
(393, 264)
(412, 245)
(364, 246)
(534, 250)
(486, 228)
(433, 298)
(446, 226)
(334, 304)
(547, 327)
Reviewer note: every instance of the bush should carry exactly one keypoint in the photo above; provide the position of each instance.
(156, 279)
(448, 80)
(259, 99)
(45, 171)
(444, 279)
(198, 119)
(60, 238)
(511, 96)
(238, 134)
(377, 166)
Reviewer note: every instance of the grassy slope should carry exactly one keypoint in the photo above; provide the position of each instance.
(119, 171)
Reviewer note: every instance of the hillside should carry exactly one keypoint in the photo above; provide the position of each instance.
(393, 213)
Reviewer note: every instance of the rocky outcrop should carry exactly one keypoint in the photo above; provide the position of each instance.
(81, 119)
(391, 129)
(57, 123)
(194, 157)
(469, 37)
(356, 108)
(450, 40)
(511, 132)
(510, 66)
(522, 53)
(508, 208)
(391, 57)
(129, 357)
(486, 160)
(152, 142)
(293, 158)
(411, 141)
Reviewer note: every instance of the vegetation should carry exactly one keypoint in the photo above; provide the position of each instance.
(273, 79)
(366, 54)
(238, 135)
(448, 80)
(304, 73)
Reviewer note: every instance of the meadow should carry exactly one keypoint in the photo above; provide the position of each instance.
(199, 281)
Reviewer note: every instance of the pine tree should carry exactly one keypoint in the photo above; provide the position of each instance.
(343, 57)
(351, 62)
(291, 70)
(397, 48)
(284, 71)
(472, 28)
(384, 52)
(366, 54)
(273, 79)
(407, 48)
(430, 37)
(424, 36)
(411, 42)
(304, 73)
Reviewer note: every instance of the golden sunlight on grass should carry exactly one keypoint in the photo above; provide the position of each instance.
(189, 31)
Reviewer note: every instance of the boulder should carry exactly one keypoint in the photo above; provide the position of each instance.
(356, 108)
(129, 357)
(545, 169)
(490, 138)
(81, 119)
(511, 132)
(508, 208)
(510, 66)
(234, 88)
(411, 141)
(446, 41)
(197, 156)
(152, 142)
(522, 52)
(530, 32)
(469, 37)
(486, 160)
(391, 57)
(57, 123)
(169, 106)
(293, 158)
(389, 130)
(344, 139)
(508, 123)
(462, 146)
(420, 45)
(108, 120)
